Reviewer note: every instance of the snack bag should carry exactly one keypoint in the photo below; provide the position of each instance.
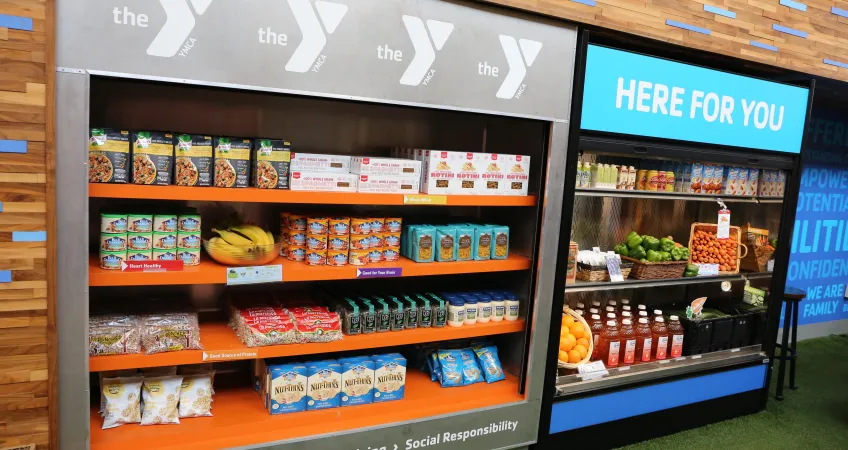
(161, 395)
(445, 244)
(196, 395)
(450, 362)
(489, 362)
(471, 372)
(500, 242)
(122, 401)
(422, 245)
(464, 242)
(482, 247)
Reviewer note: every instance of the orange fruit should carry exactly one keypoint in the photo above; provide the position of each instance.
(566, 345)
(574, 356)
(582, 350)
(564, 331)
(567, 321)
(577, 330)
(584, 342)
(563, 356)
(570, 339)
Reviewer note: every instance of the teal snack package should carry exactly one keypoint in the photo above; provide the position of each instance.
(433, 365)
(500, 242)
(464, 238)
(482, 247)
(471, 372)
(445, 243)
(422, 244)
(450, 363)
(490, 364)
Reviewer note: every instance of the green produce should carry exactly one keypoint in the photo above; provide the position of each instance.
(650, 243)
(634, 241)
(691, 271)
(666, 244)
(773, 242)
(654, 256)
(621, 249)
(685, 256)
(630, 235)
(637, 252)
(676, 253)
(666, 256)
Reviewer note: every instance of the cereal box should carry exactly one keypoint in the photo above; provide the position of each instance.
(313, 162)
(357, 381)
(751, 186)
(469, 172)
(324, 385)
(517, 170)
(388, 184)
(389, 377)
(286, 388)
(730, 184)
(365, 165)
(696, 178)
(323, 181)
(439, 171)
(492, 174)
(742, 181)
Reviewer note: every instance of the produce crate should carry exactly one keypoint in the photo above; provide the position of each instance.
(754, 327)
(586, 272)
(655, 270)
(711, 227)
(566, 365)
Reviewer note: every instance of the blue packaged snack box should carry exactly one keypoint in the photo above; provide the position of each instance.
(389, 377)
(287, 388)
(324, 385)
(357, 381)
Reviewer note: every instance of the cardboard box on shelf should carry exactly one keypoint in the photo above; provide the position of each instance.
(753, 180)
(388, 184)
(323, 181)
(439, 171)
(731, 180)
(366, 165)
(492, 174)
(742, 181)
(314, 162)
(517, 174)
(696, 178)
(469, 172)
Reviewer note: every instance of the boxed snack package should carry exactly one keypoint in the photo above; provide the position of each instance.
(517, 169)
(232, 162)
(324, 385)
(193, 165)
(767, 184)
(388, 184)
(153, 157)
(492, 174)
(108, 152)
(286, 390)
(357, 381)
(469, 172)
(389, 377)
(323, 181)
(271, 160)
(314, 162)
(439, 171)
(398, 167)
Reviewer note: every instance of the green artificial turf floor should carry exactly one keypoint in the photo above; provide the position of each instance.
(813, 417)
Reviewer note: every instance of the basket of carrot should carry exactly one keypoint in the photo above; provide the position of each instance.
(706, 248)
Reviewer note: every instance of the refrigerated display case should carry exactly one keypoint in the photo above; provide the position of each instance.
(350, 100)
(698, 237)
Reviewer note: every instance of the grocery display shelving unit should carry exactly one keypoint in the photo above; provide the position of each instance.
(348, 101)
(634, 402)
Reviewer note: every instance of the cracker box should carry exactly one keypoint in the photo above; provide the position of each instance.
(517, 169)
(469, 172)
(286, 389)
(696, 178)
(742, 181)
(388, 184)
(323, 181)
(314, 162)
(753, 180)
(781, 183)
(399, 167)
(439, 171)
(731, 179)
(389, 377)
(492, 174)
(324, 385)
(357, 381)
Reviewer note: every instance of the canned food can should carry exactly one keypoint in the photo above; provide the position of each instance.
(186, 240)
(392, 240)
(338, 243)
(112, 260)
(375, 254)
(358, 257)
(316, 241)
(296, 253)
(642, 180)
(140, 241)
(165, 241)
(336, 257)
(359, 225)
(188, 223)
(653, 180)
(317, 225)
(189, 256)
(297, 238)
(390, 254)
(376, 240)
(113, 242)
(297, 222)
(139, 223)
(360, 241)
(669, 182)
(316, 257)
(113, 223)
(377, 224)
(661, 180)
(284, 219)
(339, 226)
(164, 255)
(393, 225)
(139, 256)
(167, 224)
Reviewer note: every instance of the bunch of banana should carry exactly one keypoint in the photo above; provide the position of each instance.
(242, 242)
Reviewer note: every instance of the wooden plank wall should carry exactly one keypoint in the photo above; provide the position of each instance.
(809, 36)
(27, 322)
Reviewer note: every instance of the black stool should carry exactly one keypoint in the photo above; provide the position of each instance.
(792, 297)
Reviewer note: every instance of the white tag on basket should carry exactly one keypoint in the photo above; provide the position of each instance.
(723, 231)
(707, 270)
(614, 266)
(595, 369)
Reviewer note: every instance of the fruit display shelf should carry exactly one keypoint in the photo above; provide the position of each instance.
(210, 272)
(255, 195)
(220, 343)
(239, 418)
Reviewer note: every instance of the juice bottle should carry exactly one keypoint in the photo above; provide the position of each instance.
(614, 305)
(675, 332)
(644, 340)
(596, 304)
(626, 308)
(596, 326)
(628, 341)
(641, 308)
(610, 310)
(626, 315)
(660, 334)
(610, 343)
(657, 313)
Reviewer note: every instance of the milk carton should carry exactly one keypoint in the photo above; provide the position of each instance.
(696, 178)
(730, 184)
(781, 183)
(752, 185)
(492, 174)
(707, 179)
(389, 377)
(517, 174)
(323, 385)
(357, 381)
(742, 182)
(286, 391)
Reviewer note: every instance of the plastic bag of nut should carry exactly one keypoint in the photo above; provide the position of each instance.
(170, 332)
(113, 334)
(263, 325)
(316, 324)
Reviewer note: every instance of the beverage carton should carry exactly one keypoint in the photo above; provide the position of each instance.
(781, 183)
(742, 182)
(731, 177)
(753, 180)
(718, 176)
(707, 179)
(696, 177)
(517, 174)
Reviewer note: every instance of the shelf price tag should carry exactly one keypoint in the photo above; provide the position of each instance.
(379, 272)
(770, 265)
(229, 355)
(707, 270)
(614, 267)
(425, 200)
(254, 275)
(592, 370)
(723, 231)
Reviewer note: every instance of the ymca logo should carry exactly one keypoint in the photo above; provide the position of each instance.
(425, 56)
(178, 25)
(517, 64)
(314, 39)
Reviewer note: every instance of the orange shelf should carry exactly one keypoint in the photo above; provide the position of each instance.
(241, 420)
(210, 272)
(255, 195)
(221, 344)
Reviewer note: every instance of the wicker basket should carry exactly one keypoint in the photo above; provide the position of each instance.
(655, 270)
(588, 335)
(590, 273)
(734, 231)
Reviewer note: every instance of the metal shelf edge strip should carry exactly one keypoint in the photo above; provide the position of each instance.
(656, 195)
(636, 284)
